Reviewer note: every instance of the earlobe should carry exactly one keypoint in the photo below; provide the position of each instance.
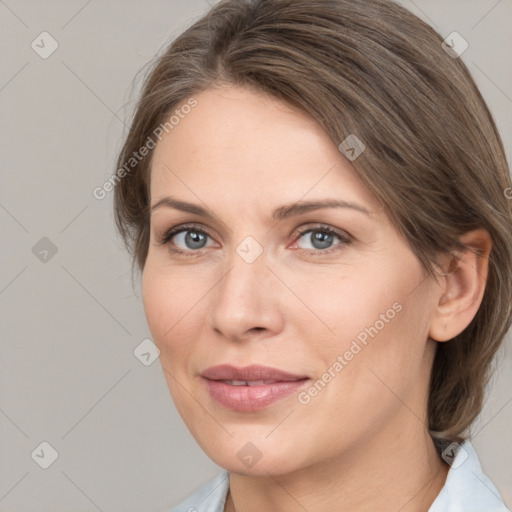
(463, 286)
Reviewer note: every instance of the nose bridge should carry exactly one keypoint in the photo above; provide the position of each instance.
(249, 269)
(244, 298)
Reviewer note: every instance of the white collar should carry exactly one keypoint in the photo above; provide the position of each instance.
(467, 488)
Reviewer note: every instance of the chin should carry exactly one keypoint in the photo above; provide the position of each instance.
(258, 457)
(264, 467)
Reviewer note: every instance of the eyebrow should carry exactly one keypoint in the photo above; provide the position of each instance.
(281, 213)
(301, 207)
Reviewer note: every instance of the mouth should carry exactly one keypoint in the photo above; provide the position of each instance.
(252, 373)
(251, 388)
(248, 382)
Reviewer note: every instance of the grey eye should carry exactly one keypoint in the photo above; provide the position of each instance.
(190, 239)
(317, 239)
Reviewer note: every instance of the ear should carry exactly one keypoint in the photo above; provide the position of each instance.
(463, 286)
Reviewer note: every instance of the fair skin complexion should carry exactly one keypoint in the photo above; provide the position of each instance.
(361, 443)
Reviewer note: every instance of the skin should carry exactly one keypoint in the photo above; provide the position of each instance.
(362, 441)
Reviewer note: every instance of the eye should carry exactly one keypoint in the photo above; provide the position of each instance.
(190, 239)
(181, 239)
(320, 238)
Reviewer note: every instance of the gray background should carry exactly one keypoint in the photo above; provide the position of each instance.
(70, 322)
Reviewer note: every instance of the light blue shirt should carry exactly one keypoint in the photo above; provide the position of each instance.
(467, 489)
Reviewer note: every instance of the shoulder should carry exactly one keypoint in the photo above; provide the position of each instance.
(211, 497)
(467, 488)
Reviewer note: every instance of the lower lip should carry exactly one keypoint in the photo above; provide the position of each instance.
(251, 398)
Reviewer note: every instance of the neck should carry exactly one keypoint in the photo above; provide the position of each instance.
(405, 473)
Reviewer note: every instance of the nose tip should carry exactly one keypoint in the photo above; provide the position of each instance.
(246, 301)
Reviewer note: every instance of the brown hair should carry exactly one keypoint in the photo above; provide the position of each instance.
(433, 155)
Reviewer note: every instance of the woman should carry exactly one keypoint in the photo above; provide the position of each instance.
(318, 206)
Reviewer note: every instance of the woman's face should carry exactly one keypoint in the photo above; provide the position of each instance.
(257, 273)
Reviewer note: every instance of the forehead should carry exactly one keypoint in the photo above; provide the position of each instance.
(239, 143)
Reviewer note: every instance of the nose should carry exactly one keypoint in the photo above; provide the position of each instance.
(246, 301)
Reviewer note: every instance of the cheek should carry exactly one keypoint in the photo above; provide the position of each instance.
(372, 316)
(376, 355)
(349, 301)
(393, 341)
(173, 309)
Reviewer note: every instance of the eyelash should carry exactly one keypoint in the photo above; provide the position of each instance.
(345, 239)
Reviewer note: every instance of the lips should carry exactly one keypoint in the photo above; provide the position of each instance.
(251, 373)
(251, 388)
(248, 382)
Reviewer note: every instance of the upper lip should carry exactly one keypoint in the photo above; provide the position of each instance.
(249, 373)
